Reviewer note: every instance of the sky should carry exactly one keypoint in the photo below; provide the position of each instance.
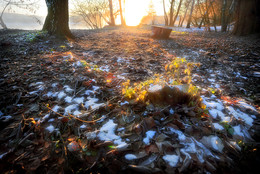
(134, 11)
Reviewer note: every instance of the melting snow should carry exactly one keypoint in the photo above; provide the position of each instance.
(123, 103)
(70, 108)
(215, 113)
(172, 160)
(56, 108)
(67, 89)
(107, 133)
(68, 99)
(213, 142)
(154, 88)
(212, 104)
(238, 114)
(78, 100)
(130, 157)
(181, 136)
(61, 95)
(50, 128)
(218, 126)
(149, 136)
(92, 102)
(83, 126)
(237, 131)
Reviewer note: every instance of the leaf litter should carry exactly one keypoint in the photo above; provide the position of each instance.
(73, 111)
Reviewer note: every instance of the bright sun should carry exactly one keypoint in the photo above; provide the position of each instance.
(134, 11)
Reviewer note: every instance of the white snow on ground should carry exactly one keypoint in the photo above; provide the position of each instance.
(83, 126)
(68, 89)
(246, 106)
(181, 136)
(70, 108)
(218, 126)
(79, 100)
(172, 160)
(3, 154)
(213, 142)
(61, 95)
(56, 108)
(213, 104)
(124, 103)
(68, 99)
(130, 157)
(50, 128)
(6, 118)
(241, 115)
(107, 133)
(216, 113)
(91, 102)
(237, 131)
(149, 135)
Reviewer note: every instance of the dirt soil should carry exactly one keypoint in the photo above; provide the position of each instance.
(34, 66)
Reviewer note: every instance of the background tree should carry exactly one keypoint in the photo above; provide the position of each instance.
(166, 21)
(121, 13)
(171, 12)
(223, 16)
(10, 5)
(177, 12)
(190, 16)
(94, 13)
(247, 17)
(57, 20)
(112, 19)
(151, 12)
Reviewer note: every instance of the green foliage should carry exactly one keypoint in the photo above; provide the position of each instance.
(34, 37)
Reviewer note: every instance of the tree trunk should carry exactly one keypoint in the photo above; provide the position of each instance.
(171, 12)
(177, 13)
(57, 20)
(247, 17)
(223, 16)
(1, 17)
(165, 15)
(191, 10)
(180, 25)
(112, 19)
(121, 13)
(205, 14)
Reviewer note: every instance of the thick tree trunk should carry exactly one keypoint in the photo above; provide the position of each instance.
(223, 16)
(191, 10)
(247, 17)
(57, 20)
(177, 13)
(171, 12)
(121, 13)
(112, 19)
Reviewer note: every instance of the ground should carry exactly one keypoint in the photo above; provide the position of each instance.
(63, 110)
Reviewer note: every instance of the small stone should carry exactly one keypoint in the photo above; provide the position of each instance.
(73, 146)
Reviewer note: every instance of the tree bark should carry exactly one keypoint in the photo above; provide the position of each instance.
(177, 13)
(165, 15)
(247, 17)
(171, 12)
(1, 17)
(57, 20)
(112, 19)
(191, 10)
(121, 13)
(223, 16)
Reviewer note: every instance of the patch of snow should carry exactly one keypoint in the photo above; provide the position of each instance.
(120, 129)
(61, 95)
(68, 99)
(237, 131)
(70, 108)
(120, 77)
(91, 102)
(130, 157)
(212, 104)
(50, 128)
(51, 120)
(56, 108)
(3, 154)
(33, 92)
(54, 85)
(154, 88)
(238, 114)
(77, 113)
(67, 89)
(247, 106)
(107, 133)
(83, 126)
(149, 135)
(211, 80)
(181, 135)
(95, 88)
(124, 103)
(218, 126)
(6, 118)
(172, 160)
(45, 117)
(78, 100)
(171, 111)
(49, 94)
(216, 113)
(213, 142)
(104, 68)
(1, 113)
(88, 92)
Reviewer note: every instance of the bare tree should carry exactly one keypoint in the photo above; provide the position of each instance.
(165, 15)
(191, 10)
(151, 12)
(177, 13)
(186, 7)
(171, 12)
(29, 5)
(121, 13)
(94, 13)
(223, 16)
(112, 19)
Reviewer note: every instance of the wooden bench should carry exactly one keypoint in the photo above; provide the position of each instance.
(160, 32)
